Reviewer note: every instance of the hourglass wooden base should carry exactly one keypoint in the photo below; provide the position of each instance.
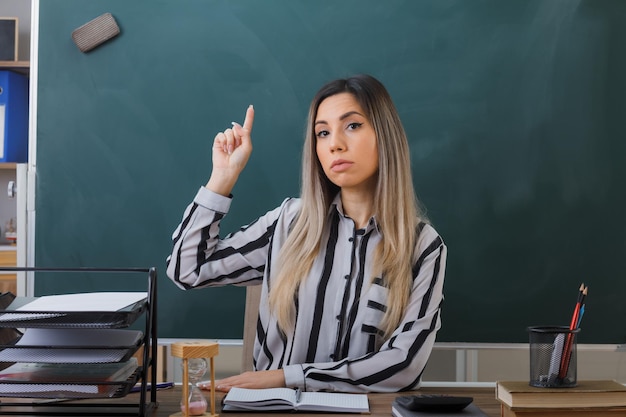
(190, 350)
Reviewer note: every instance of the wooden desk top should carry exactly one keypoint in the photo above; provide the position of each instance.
(380, 404)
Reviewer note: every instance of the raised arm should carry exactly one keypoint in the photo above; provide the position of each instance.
(231, 151)
(197, 239)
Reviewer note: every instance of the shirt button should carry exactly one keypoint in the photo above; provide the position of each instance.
(351, 240)
(338, 316)
(347, 276)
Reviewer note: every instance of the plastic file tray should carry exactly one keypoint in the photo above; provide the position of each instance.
(11, 317)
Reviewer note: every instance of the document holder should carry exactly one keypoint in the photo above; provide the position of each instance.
(61, 340)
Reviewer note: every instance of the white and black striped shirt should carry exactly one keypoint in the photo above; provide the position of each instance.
(337, 344)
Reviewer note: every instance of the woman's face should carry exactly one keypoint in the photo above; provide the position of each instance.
(346, 143)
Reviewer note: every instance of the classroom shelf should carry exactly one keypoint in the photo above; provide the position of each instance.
(18, 66)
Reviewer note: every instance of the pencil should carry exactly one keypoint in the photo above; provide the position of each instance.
(567, 349)
(574, 321)
(580, 315)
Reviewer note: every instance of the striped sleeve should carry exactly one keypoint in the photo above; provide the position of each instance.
(200, 258)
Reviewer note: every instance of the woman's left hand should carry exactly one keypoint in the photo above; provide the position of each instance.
(259, 379)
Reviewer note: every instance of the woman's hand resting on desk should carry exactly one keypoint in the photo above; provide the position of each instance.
(259, 379)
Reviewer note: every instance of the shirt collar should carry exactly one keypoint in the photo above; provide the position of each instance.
(337, 206)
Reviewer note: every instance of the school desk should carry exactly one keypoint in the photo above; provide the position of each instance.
(380, 404)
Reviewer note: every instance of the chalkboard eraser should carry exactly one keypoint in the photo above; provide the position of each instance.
(95, 32)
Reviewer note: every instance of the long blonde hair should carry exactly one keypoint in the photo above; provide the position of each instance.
(396, 207)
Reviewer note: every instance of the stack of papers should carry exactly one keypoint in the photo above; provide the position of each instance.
(71, 362)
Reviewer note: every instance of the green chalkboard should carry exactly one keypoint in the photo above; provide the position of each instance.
(514, 109)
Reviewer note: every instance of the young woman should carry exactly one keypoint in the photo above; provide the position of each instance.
(352, 273)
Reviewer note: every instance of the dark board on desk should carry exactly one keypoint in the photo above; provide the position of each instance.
(515, 113)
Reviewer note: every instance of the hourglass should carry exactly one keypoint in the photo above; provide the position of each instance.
(194, 366)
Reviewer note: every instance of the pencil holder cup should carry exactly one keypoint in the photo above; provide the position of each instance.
(552, 356)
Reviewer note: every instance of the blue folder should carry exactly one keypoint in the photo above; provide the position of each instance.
(13, 117)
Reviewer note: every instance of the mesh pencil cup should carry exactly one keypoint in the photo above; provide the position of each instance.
(552, 356)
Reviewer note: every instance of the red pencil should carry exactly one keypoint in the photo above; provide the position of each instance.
(574, 322)
(567, 349)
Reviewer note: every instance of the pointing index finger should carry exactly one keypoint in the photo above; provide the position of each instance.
(249, 120)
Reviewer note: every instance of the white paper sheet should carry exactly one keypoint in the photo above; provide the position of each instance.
(91, 301)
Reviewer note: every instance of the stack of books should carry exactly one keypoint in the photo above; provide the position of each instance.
(588, 398)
